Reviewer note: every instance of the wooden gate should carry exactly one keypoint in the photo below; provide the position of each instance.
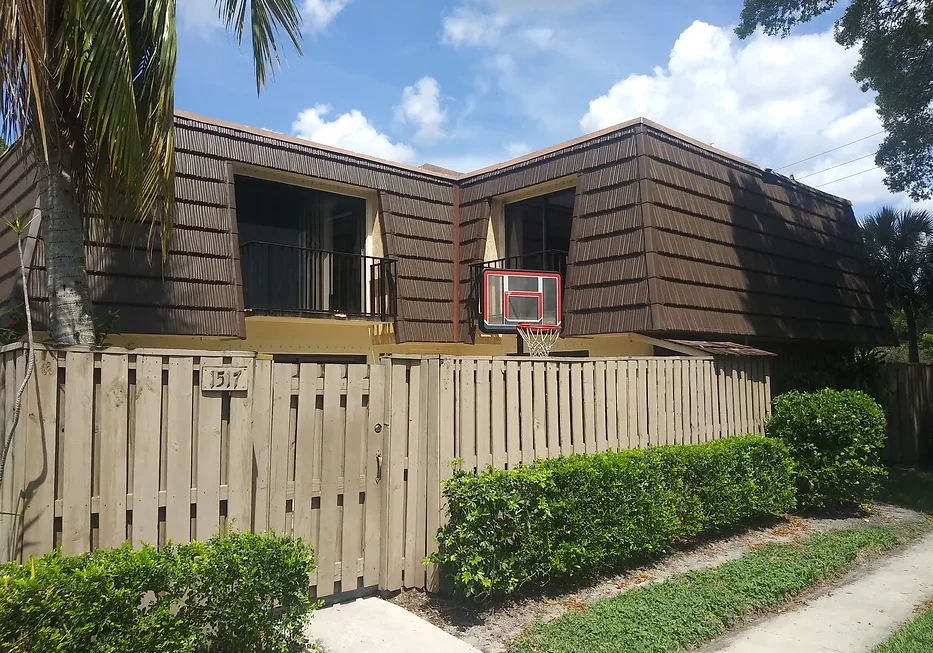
(158, 445)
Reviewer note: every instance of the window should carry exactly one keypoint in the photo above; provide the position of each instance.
(302, 252)
(538, 225)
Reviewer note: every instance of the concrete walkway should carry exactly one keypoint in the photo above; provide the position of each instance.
(372, 624)
(859, 612)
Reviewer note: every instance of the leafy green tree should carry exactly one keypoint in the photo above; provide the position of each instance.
(900, 354)
(3, 147)
(900, 247)
(89, 85)
(895, 41)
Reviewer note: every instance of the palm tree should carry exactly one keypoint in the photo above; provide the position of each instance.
(900, 247)
(89, 86)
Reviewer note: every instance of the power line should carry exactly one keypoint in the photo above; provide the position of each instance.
(858, 140)
(838, 165)
(854, 174)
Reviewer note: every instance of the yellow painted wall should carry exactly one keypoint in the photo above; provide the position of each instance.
(348, 337)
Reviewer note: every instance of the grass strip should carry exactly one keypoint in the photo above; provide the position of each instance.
(694, 607)
(915, 636)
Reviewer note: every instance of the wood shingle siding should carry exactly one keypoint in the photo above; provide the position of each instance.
(669, 237)
(739, 251)
(18, 195)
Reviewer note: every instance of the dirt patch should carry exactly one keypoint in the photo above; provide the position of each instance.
(489, 627)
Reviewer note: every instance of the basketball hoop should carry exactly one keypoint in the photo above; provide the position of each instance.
(539, 338)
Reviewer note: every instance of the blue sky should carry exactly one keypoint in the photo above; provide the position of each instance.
(466, 83)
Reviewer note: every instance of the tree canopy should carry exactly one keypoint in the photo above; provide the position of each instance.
(900, 247)
(95, 79)
(895, 41)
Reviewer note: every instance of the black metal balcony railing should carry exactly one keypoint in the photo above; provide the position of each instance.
(290, 280)
(551, 260)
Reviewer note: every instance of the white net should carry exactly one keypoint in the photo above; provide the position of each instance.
(538, 339)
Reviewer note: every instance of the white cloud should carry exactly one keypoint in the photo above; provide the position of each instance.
(350, 131)
(471, 26)
(199, 15)
(318, 14)
(516, 149)
(771, 100)
(539, 37)
(421, 105)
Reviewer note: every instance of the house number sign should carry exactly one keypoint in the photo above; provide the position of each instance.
(224, 378)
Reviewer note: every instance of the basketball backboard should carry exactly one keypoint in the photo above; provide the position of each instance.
(509, 298)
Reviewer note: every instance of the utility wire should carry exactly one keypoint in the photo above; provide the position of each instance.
(854, 174)
(838, 165)
(858, 140)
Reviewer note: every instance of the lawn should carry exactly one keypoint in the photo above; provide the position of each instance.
(694, 607)
(913, 637)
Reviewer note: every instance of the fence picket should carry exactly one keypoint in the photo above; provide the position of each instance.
(564, 418)
(210, 408)
(393, 544)
(178, 480)
(539, 409)
(433, 464)
(483, 410)
(498, 415)
(41, 416)
(331, 458)
(278, 449)
(468, 413)
(599, 401)
(352, 468)
(261, 439)
(375, 448)
(576, 402)
(240, 455)
(307, 452)
(414, 527)
(513, 416)
(147, 434)
(526, 407)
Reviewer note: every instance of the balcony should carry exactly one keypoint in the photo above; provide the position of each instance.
(286, 280)
(551, 260)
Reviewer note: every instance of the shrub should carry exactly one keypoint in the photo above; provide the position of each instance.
(836, 438)
(562, 517)
(204, 596)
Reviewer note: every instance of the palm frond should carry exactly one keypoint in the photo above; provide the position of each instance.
(23, 78)
(116, 75)
(267, 19)
(898, 246)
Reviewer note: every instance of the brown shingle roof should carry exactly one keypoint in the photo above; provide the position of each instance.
(670, 237)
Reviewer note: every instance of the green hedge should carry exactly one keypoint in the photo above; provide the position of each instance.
(836, 438)
(563, 517)
(235, 593)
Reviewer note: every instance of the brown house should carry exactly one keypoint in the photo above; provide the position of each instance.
(287, 247)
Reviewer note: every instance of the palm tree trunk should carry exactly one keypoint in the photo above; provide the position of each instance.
(913, 350)
(71, 321)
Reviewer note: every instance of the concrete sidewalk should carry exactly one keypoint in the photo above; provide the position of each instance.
(859, 612)
(372, 624)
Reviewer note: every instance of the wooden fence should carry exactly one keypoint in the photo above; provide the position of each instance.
(907, 395)
(503, 411)
(157, 445)
(116, 446)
